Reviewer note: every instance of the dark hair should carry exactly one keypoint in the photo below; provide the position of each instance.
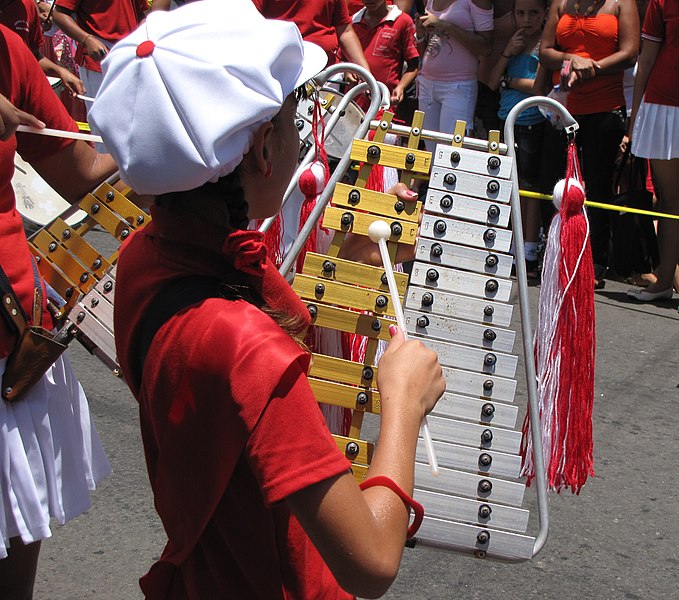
(545, 4)
(228, 193)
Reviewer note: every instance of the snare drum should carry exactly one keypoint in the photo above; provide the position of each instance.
(36, 200)
(57, 85)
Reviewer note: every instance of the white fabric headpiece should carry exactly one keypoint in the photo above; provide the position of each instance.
(183, 95)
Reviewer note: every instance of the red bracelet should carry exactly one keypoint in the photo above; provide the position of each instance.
(418, 509)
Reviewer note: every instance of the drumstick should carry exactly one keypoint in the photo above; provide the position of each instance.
(85, 98)
(379, 232)
(88, 137)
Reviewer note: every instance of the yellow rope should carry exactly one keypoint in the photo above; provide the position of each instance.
(613, 207)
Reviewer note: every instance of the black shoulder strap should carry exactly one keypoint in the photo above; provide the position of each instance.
(173, 298)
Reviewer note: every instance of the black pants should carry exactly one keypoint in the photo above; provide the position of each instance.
(598, 140)
(528, 148)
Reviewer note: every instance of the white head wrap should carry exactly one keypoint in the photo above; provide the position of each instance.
(183, 95)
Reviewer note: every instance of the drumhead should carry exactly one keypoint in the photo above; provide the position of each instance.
(57, 85)
(36, 200)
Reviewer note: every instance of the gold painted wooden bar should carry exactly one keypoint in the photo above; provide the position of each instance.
(354, 273)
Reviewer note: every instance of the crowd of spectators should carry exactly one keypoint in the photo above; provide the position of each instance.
(469, 60)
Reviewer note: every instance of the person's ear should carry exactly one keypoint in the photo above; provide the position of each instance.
(260, 151)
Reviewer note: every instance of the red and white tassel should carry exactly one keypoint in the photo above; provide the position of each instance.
(565, 343)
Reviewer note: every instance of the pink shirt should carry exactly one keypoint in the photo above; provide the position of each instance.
(446, 59)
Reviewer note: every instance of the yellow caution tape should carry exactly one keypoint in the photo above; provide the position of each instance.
(613, 207)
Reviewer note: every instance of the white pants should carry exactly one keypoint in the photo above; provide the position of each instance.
(446, 102)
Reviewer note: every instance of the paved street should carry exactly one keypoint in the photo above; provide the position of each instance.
(618, 539)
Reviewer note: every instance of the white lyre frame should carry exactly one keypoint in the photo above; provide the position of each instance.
(570, 127)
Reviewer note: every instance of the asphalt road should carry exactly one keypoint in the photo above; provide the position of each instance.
(617, 539)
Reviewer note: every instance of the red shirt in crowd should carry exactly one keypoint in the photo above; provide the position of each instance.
(21, 16)
(24, 84)
(316, 19)
(109, 20)
(229, 424)
(661, 25)
(387, 45)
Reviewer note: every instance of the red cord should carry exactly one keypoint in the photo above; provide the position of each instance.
(418, 509)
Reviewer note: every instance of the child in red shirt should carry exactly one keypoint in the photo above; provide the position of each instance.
(387, 36)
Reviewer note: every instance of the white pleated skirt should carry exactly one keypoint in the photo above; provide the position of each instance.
(656, 131)
(50, 456)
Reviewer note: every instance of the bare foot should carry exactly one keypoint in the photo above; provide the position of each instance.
(642, 279)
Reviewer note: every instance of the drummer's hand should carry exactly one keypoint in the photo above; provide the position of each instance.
(360, 248)
(94, 48)
(72, 83)
(11, 117)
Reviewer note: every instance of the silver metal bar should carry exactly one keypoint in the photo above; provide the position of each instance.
(343, 165)
(443, 138)
(570, 126)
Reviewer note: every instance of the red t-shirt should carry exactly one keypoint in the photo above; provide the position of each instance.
(109, 20)
(661, 25)
(316, 19)
(388, 45)
(21, 16)
(24, 84)
(229, 424)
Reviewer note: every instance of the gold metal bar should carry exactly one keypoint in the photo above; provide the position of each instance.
(77, 245)
(361, 452)
(387, 205)
(360, 222)
(347, 396)
(347, 271)
(351, 321)
(349, 296)
(391, 156)
(54, 252)
(102, 214)
(342, 370)
(120, 205)
(359, 472)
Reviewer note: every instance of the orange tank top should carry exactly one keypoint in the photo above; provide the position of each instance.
(591, 37)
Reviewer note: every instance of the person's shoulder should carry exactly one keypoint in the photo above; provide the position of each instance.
(22, 62)
(235, 335)
(400, 17)
(30, 6)
(242, 322)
